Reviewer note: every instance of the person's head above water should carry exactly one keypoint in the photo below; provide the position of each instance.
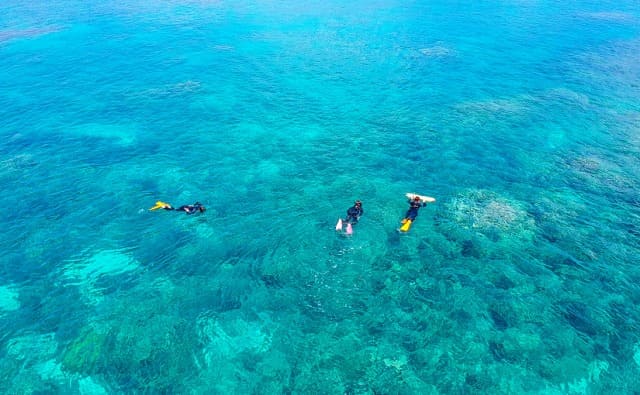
(416, 198)
(358, 203)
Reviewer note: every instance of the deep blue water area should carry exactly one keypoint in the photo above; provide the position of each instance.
(522, 119)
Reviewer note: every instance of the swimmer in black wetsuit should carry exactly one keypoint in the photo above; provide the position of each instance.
(414, 206)
(354, 213)
(187, 208)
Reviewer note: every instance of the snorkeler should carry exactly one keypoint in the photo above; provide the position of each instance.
(415, 202)
(187, 208)
(354, 213)
(414, 206)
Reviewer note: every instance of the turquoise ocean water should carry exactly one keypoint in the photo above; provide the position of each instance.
(522, 118)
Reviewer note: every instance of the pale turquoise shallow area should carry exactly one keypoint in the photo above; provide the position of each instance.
(521, 117)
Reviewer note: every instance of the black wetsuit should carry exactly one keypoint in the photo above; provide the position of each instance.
(353, 214)
(187, 208)
(412, 213)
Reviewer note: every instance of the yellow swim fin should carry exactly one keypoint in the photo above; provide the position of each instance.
(406, 226)
(158, 205)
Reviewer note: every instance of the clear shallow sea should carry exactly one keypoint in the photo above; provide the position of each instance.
(521, 117)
